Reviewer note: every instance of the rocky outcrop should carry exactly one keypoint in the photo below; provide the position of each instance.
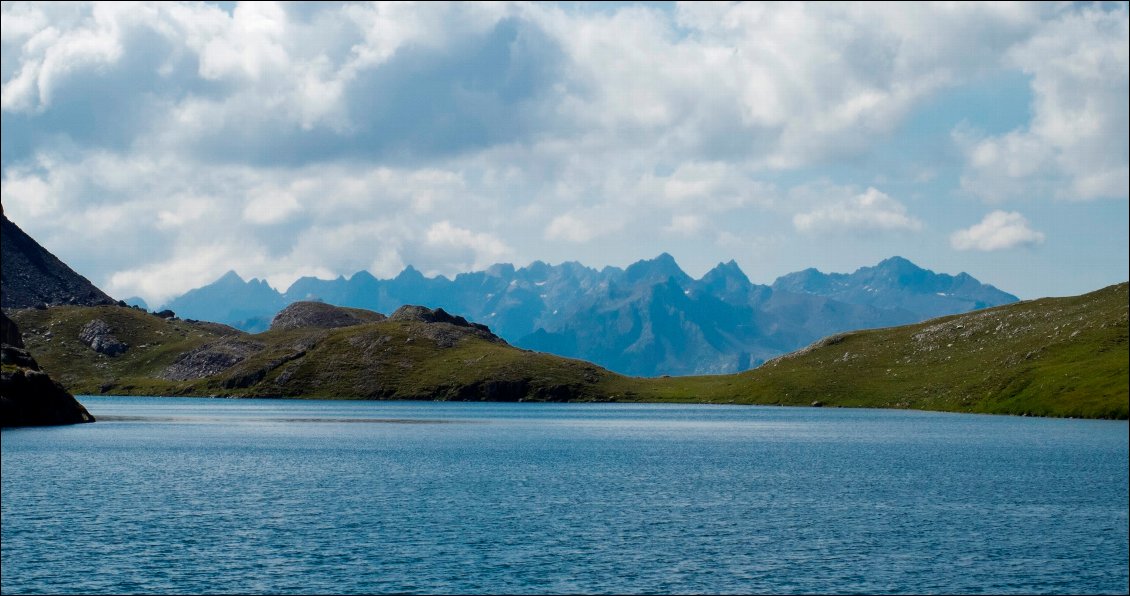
(10, 333)
(442, 327)
(32, 276)
(28, 396)
(211, 359)
(320, 315)
(98, 336)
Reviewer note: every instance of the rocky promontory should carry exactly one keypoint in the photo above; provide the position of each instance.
(443, 328)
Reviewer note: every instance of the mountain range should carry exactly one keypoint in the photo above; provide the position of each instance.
(648, 319)
(1047, 357)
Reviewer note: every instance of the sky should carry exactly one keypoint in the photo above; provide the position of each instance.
(155, 146)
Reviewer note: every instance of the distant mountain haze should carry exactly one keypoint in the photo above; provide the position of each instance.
(649, 319)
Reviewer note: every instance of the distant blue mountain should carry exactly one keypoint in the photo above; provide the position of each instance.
(648, 319)
(248, 305)
(897, 283)
(137, 301)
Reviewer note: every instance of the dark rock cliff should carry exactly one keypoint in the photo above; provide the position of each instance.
(32, 276)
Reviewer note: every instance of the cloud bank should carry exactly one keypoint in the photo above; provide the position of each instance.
(289, 139)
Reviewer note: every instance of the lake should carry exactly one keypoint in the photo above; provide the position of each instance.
(262, 496)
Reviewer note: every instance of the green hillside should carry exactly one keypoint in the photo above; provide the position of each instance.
(375, 360)
(1048, 357)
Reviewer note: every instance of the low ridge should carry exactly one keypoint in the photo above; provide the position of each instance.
(322, 316)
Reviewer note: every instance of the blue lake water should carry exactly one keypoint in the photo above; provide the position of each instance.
(261, 496)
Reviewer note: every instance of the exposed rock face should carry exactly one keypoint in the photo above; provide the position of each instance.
(10, 333)
(211, 359)
(98, 335)
(427, 315)
(17, 357)
(28, 397)
(444, 328)
(322, 316)
(32, 276)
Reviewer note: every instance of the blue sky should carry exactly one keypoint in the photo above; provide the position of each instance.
(155, 146)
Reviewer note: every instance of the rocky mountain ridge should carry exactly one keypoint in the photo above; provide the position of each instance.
(649, 319)
(31, 276)
(1049, 357)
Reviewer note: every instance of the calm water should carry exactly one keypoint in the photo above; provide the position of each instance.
(191, 495)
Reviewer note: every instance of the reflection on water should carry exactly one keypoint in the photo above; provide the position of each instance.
(171, 495)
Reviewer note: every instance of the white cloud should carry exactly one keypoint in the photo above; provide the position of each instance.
(157, 282)
(271, 206)
(784, 85)
(999, 230)
(871, 210)
(1076, 146)
(472, 250)
(584, 225)
(297, 138)
(686, 224)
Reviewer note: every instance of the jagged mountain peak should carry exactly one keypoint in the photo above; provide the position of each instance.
(656, 270)
(503, 270)
(897, 263)
(409, 273)
(362, 276)
(230, 277)
(726, 271)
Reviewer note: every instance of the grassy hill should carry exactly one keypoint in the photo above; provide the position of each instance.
(373, 360)
(1049, 357)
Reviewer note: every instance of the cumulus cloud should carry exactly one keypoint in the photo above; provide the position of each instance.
(473, 250)
(686, 224)
(1076, 146)
(999, 230)
(582, 226)
(270, 208)
(286, 139)
(871, 210)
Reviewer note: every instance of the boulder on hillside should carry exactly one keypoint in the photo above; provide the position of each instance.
(211, 359)
(424, 314)
(444, 328)
(320, 315)
(99, 337)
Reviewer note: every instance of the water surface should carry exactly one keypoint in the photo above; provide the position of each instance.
(253, 496)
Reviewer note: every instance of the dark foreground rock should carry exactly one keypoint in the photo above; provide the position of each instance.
(28, 397)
